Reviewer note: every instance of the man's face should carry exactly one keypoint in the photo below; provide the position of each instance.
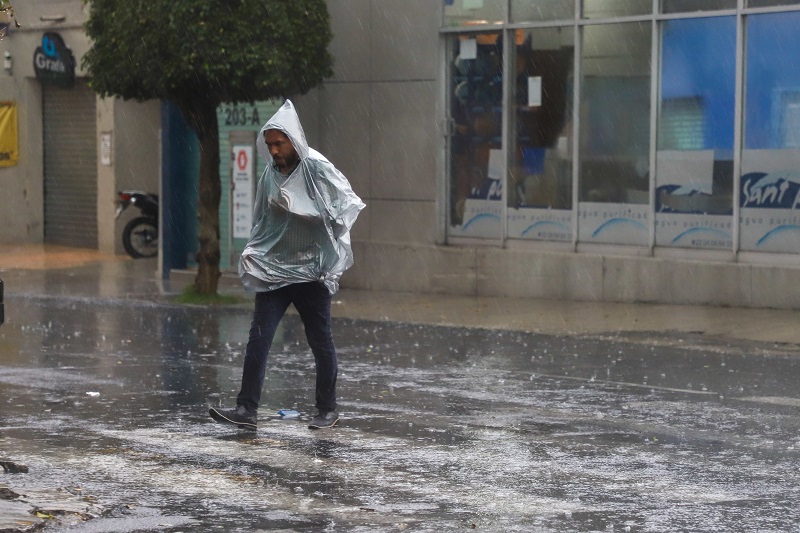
(282, 150)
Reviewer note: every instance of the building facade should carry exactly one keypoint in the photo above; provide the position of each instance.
(74, 150)
(601, 150)
(637, 150)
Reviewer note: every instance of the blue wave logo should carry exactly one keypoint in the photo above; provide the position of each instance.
(693, 231)
(611, 223)
(477, 218)
(777, 231)
(558, 225)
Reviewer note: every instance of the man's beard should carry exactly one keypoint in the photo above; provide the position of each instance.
(286, 163)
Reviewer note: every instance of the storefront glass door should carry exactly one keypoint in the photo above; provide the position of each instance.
(539, 195)
(614, 135)
(694, 157)
(476, 155)
(770, 178)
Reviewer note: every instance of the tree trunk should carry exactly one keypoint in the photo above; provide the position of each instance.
(202, 116)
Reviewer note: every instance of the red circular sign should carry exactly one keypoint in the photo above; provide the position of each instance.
(241, 160)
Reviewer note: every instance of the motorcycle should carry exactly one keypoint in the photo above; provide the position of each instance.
(140, 236)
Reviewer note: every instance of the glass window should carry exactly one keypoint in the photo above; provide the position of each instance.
(685, 6)
(476, 162)
(598, 9)
(615, 111)
(473, 12)
(770, 3)
(540, 172)
(694, 158)
(534, 10)
(770, 180)
(615, 134)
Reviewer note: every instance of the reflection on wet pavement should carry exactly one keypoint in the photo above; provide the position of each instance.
(48, 256)
(443, 429)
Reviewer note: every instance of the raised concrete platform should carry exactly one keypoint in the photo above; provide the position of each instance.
(486, 271)
(37, 269)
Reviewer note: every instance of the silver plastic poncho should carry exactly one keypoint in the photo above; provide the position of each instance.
(301, 222)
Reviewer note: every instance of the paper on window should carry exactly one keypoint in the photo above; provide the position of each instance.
(468, 49)
(495, 170)
(534, 91)
(692, 170)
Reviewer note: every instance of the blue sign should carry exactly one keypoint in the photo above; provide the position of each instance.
(771, 190)
(53, 62)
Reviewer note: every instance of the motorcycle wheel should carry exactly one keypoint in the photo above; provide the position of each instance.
(140, 238)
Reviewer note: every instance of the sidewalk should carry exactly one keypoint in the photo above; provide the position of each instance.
(44, 269)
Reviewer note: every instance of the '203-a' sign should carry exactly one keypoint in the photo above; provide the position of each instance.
(241, 116)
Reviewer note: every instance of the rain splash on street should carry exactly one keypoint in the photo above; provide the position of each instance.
(443, 428)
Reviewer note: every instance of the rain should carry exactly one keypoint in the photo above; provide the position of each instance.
(445, 427)
(573, 306)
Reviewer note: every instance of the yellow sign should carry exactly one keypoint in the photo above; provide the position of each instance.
(9, 146)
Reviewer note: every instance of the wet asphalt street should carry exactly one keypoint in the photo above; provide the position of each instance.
(105, 386)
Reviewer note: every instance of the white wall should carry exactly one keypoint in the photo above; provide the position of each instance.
(377, 119)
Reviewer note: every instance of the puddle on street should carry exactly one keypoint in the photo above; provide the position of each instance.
(443, 429)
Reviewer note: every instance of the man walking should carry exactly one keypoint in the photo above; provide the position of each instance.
(298, 249)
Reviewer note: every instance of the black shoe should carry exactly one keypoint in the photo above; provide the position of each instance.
(239, 417)
(324, 420)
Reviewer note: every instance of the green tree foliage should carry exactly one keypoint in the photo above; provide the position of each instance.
(199, 54)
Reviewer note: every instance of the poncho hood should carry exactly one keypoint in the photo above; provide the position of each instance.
(287, 121)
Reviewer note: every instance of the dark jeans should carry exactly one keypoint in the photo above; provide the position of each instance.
(313, 303)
